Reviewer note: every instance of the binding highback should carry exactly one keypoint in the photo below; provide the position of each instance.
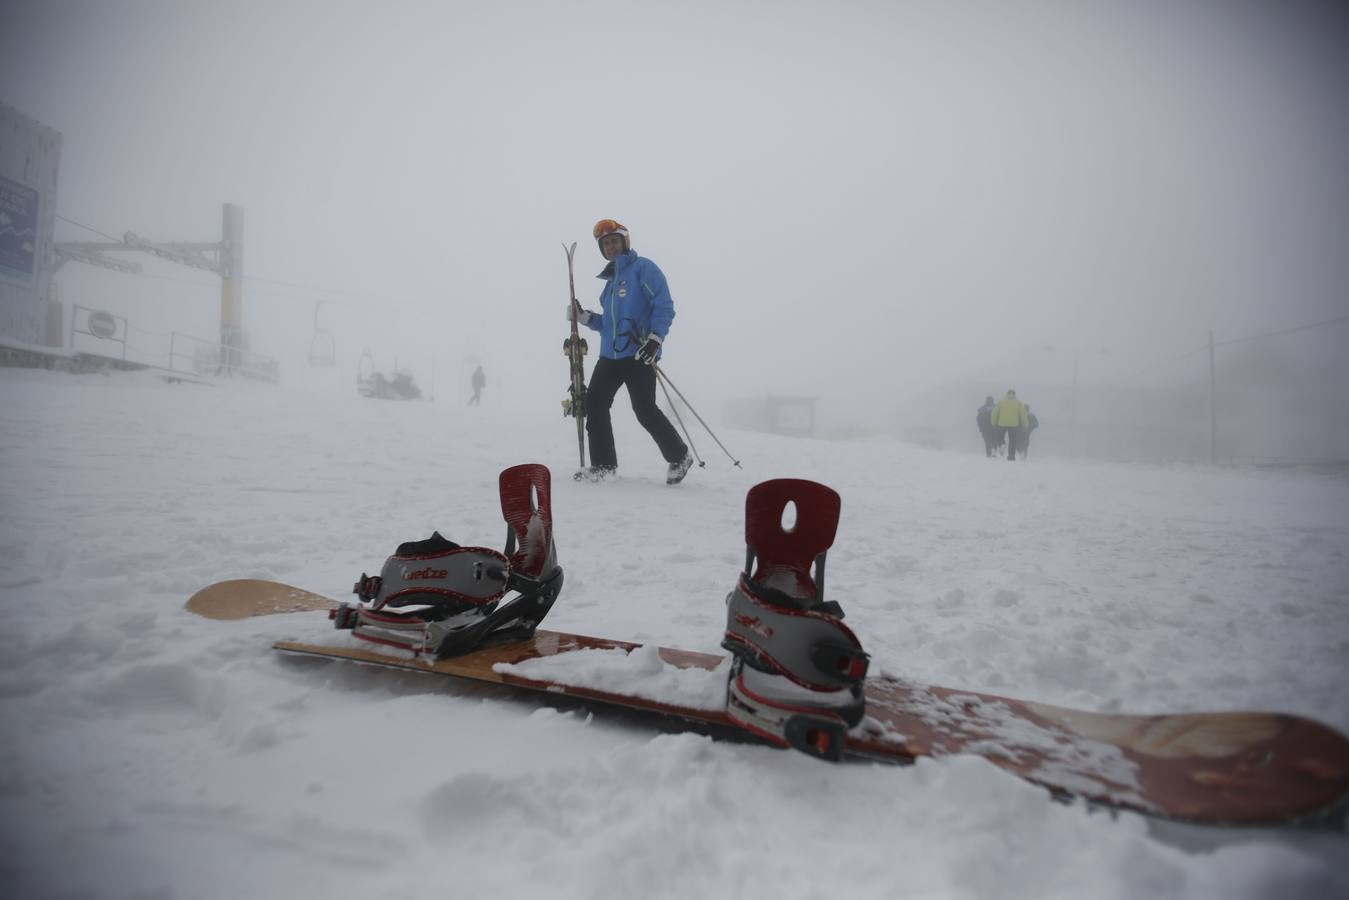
(785, 555)
(527, 506)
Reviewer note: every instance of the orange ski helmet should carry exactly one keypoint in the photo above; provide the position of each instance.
(609, 226)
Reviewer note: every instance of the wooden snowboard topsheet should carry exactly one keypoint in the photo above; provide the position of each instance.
(1237, 768)
(243, 598)
(1230, 768)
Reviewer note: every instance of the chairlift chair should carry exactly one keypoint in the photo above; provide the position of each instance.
(365, 375)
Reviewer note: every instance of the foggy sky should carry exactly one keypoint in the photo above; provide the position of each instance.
(844, 196)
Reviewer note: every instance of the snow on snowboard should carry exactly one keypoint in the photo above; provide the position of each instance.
(435, 609)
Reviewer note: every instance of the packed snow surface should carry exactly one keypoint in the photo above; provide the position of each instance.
(151, 753)
(641, 673)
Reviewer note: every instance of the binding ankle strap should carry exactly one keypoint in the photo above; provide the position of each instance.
(449, 576)
(809, 645)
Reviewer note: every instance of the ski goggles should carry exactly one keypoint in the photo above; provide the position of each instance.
(608, 226)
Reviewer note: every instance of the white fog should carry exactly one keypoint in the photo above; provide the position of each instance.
(871, 216)
(894, 208)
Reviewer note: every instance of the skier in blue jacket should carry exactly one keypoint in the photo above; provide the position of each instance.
(633, 321)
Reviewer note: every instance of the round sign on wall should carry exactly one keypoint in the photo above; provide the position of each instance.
(102, 324)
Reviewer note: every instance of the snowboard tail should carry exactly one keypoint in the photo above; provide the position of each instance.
(1229, 768)
(243, 598)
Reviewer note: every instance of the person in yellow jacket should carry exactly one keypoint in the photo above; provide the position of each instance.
(1009, 415)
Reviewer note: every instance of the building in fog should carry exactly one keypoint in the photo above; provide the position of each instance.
(30, 161)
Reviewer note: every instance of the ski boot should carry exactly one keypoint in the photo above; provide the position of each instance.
(435, 598)
(798, 671)
(677, 470)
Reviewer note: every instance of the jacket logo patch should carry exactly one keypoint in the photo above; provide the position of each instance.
(622, 290)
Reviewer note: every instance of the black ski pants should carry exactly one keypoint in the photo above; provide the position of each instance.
(640, 378)
(990, 442)
(1008, 434)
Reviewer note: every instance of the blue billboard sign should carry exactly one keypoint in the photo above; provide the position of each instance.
(18, 229)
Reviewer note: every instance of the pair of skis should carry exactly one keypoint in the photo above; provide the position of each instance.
(574, 347)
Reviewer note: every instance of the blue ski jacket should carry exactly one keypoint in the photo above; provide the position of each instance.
(635, 303)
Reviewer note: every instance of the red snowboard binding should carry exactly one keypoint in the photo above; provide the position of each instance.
(798, 671)
(436, 598)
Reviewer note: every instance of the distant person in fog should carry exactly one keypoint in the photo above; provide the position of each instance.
(984, 419)
(479, 382)
(1032, 423)
(1009, 415)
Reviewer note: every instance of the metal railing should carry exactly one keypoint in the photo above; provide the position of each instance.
(212, 358)
(186, 354)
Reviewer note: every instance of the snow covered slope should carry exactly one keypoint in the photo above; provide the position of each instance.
(148, 752)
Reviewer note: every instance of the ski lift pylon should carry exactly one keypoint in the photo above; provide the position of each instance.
(322, 346)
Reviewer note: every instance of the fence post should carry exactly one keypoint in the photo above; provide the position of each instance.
(1212, 405)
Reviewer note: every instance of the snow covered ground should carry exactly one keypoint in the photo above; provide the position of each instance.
(150, 753)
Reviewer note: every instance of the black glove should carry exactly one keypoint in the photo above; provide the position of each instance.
(649, 350)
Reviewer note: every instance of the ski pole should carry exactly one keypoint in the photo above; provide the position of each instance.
(682, 427)
(661, 373)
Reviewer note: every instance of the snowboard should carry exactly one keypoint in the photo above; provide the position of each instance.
(1222, 768)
